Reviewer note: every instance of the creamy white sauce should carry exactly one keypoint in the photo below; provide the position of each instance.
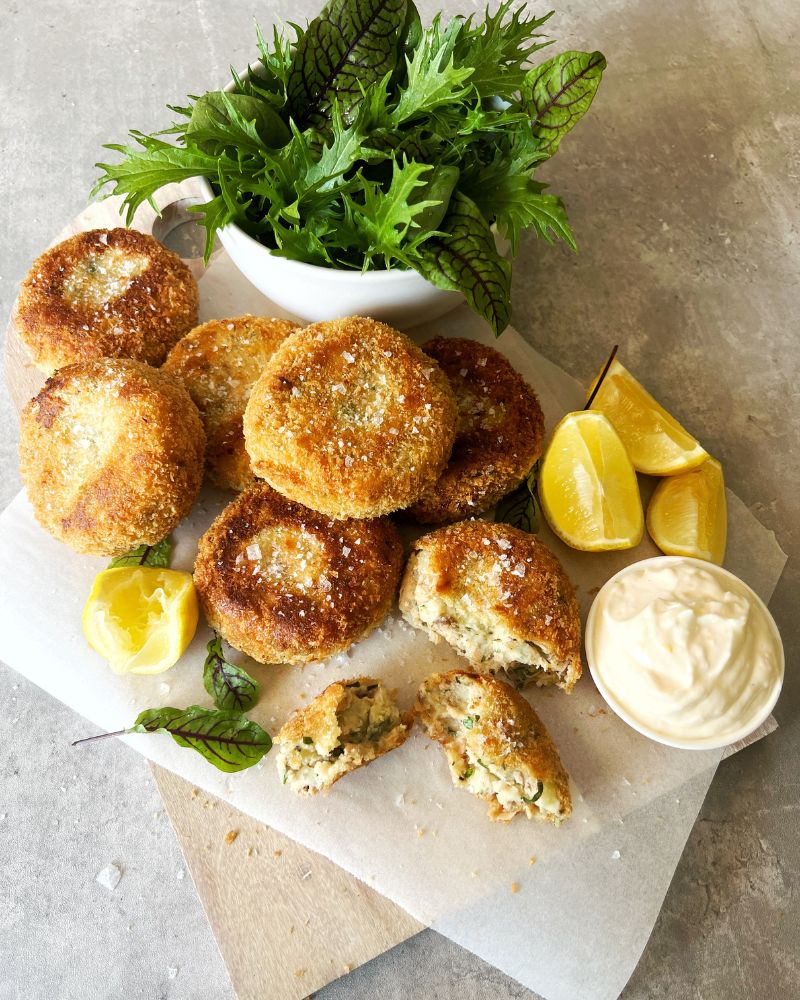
(685, 650)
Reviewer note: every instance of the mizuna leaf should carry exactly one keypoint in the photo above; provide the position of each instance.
(349, 46)
(558, 93)
(226, 739)
(231, 687)
(432, 79)
(145, 555)
(466, 259)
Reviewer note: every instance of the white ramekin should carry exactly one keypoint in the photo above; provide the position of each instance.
(708, 743)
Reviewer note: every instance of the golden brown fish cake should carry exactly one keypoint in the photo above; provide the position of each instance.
(219, 362)
(348, 725)
(499, 597)
(286, 584)
(114, 293)
(499, 436)
(350, 418)
(111, 453)
(496, 745)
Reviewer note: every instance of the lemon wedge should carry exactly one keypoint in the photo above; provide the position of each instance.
(657, 444)
(688, 515)
(588, 487)
(141, 618)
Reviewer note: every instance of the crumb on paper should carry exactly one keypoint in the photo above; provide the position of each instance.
(249, 852)
(615, 855)
(306, 874)
(299, 973)
(347, 967)
(195, 792)
(420, 831)
(230, 836)
(532, 859)
(109, 877)
(277, 854)
(291, 928)
(474, 874)
(515, 886)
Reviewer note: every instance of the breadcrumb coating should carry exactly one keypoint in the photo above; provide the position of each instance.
(114, 293)
(499, 436)
(219, 362)
(286, 584)
(497, 746)
(350, 418)
(500, 597)
(111, 453)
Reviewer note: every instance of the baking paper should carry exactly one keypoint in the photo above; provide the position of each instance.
(566, 911)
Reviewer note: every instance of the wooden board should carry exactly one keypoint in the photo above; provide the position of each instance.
(317, 922)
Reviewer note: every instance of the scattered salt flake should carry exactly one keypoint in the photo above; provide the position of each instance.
(346, 550)
(306, 874)
(348, 357)
(519, 569)
(164, 688)
(103, 237)
(295, 391)
(253, 551)
(503, 543)
(172, 971)
(180, 874)
(401, 399)
(615, 855)
(109, 877)
(481, 362)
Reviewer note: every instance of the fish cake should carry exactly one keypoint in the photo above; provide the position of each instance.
(499, 436)
(350, 724)
(114, 293)
(350, 418)
(219, 362)
(286, 584)
(496, 745)
(111, 453)
(500, 598)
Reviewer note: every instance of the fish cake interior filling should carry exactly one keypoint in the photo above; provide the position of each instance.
(102, 277)
(452, 714)
(476, 626)
(367, 720)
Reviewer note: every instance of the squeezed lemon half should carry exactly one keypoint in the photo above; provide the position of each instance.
(588, 487)
(141, 618)
(688, 514)
(657, 444)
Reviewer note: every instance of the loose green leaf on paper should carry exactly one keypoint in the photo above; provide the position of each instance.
(225, 739)
(520, 508)
(145, 555)
(231, 687)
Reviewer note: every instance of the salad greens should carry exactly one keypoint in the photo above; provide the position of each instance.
(367, 141)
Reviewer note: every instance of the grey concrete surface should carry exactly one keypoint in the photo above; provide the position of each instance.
(683, 194)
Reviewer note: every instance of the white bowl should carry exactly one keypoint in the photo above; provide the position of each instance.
(313, 293)
(707, 743)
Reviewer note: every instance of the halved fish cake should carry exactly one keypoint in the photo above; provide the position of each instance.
(219, 362)
(286, 584)
(350, 418)
(105, 293)
(499, 436)
(111, 453)
(348, 725)
(497, 747)
(499, 597)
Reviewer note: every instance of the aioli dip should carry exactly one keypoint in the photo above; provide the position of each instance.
(685, 652)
